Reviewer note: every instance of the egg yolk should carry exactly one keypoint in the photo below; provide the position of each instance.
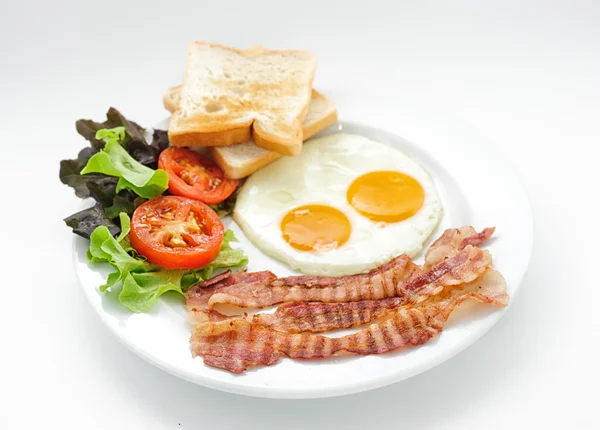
(386, 196)
(315, 228)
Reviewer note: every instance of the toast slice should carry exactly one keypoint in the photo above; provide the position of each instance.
(229, 96)
(243, 159)
(171, 98)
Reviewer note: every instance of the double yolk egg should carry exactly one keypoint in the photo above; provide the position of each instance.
(384, 196)
(346, 204)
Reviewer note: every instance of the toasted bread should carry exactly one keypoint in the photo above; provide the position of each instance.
(172, 97)
(229, 96)
(243, 159)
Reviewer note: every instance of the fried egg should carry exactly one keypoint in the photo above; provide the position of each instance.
(344, 205)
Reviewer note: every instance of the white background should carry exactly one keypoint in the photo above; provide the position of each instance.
(524, 75)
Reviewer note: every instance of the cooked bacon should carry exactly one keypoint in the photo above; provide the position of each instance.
(236, 344)
(417, 325)
(398, 278)
(401, 266)
(454, 240)
(198, 296)
(317, 317)
(220, 278)
(262, 289)
(476, 239)
(313, 317)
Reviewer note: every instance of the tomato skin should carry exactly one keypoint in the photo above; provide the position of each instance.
(195, 176)
(176, 232)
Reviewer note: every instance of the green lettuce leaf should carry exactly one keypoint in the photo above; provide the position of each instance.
(229, 256)
(141, 290)
(114, 160)
(105, 248)
(125, 222)
(143, 283)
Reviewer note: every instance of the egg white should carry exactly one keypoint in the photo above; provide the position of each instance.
(321, 174)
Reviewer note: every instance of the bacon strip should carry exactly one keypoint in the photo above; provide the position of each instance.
(398, 278)
(235, 344)
(262, 289)
(313, 317)
(317, 317)
(454, 240)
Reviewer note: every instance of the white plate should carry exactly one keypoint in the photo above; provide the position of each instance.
(481, 192)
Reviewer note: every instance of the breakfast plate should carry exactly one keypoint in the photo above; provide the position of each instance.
(481, 192)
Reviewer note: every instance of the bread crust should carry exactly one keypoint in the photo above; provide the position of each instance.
(331, 118)
(218, 138)
(171, 98)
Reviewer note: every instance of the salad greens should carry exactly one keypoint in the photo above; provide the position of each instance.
(114, 160)
(140, 147)
(141, 282)
(88, 219)
(110, 198)
(119, 170)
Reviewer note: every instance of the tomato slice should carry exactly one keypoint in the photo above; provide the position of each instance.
(176, 232)
(195, 176)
